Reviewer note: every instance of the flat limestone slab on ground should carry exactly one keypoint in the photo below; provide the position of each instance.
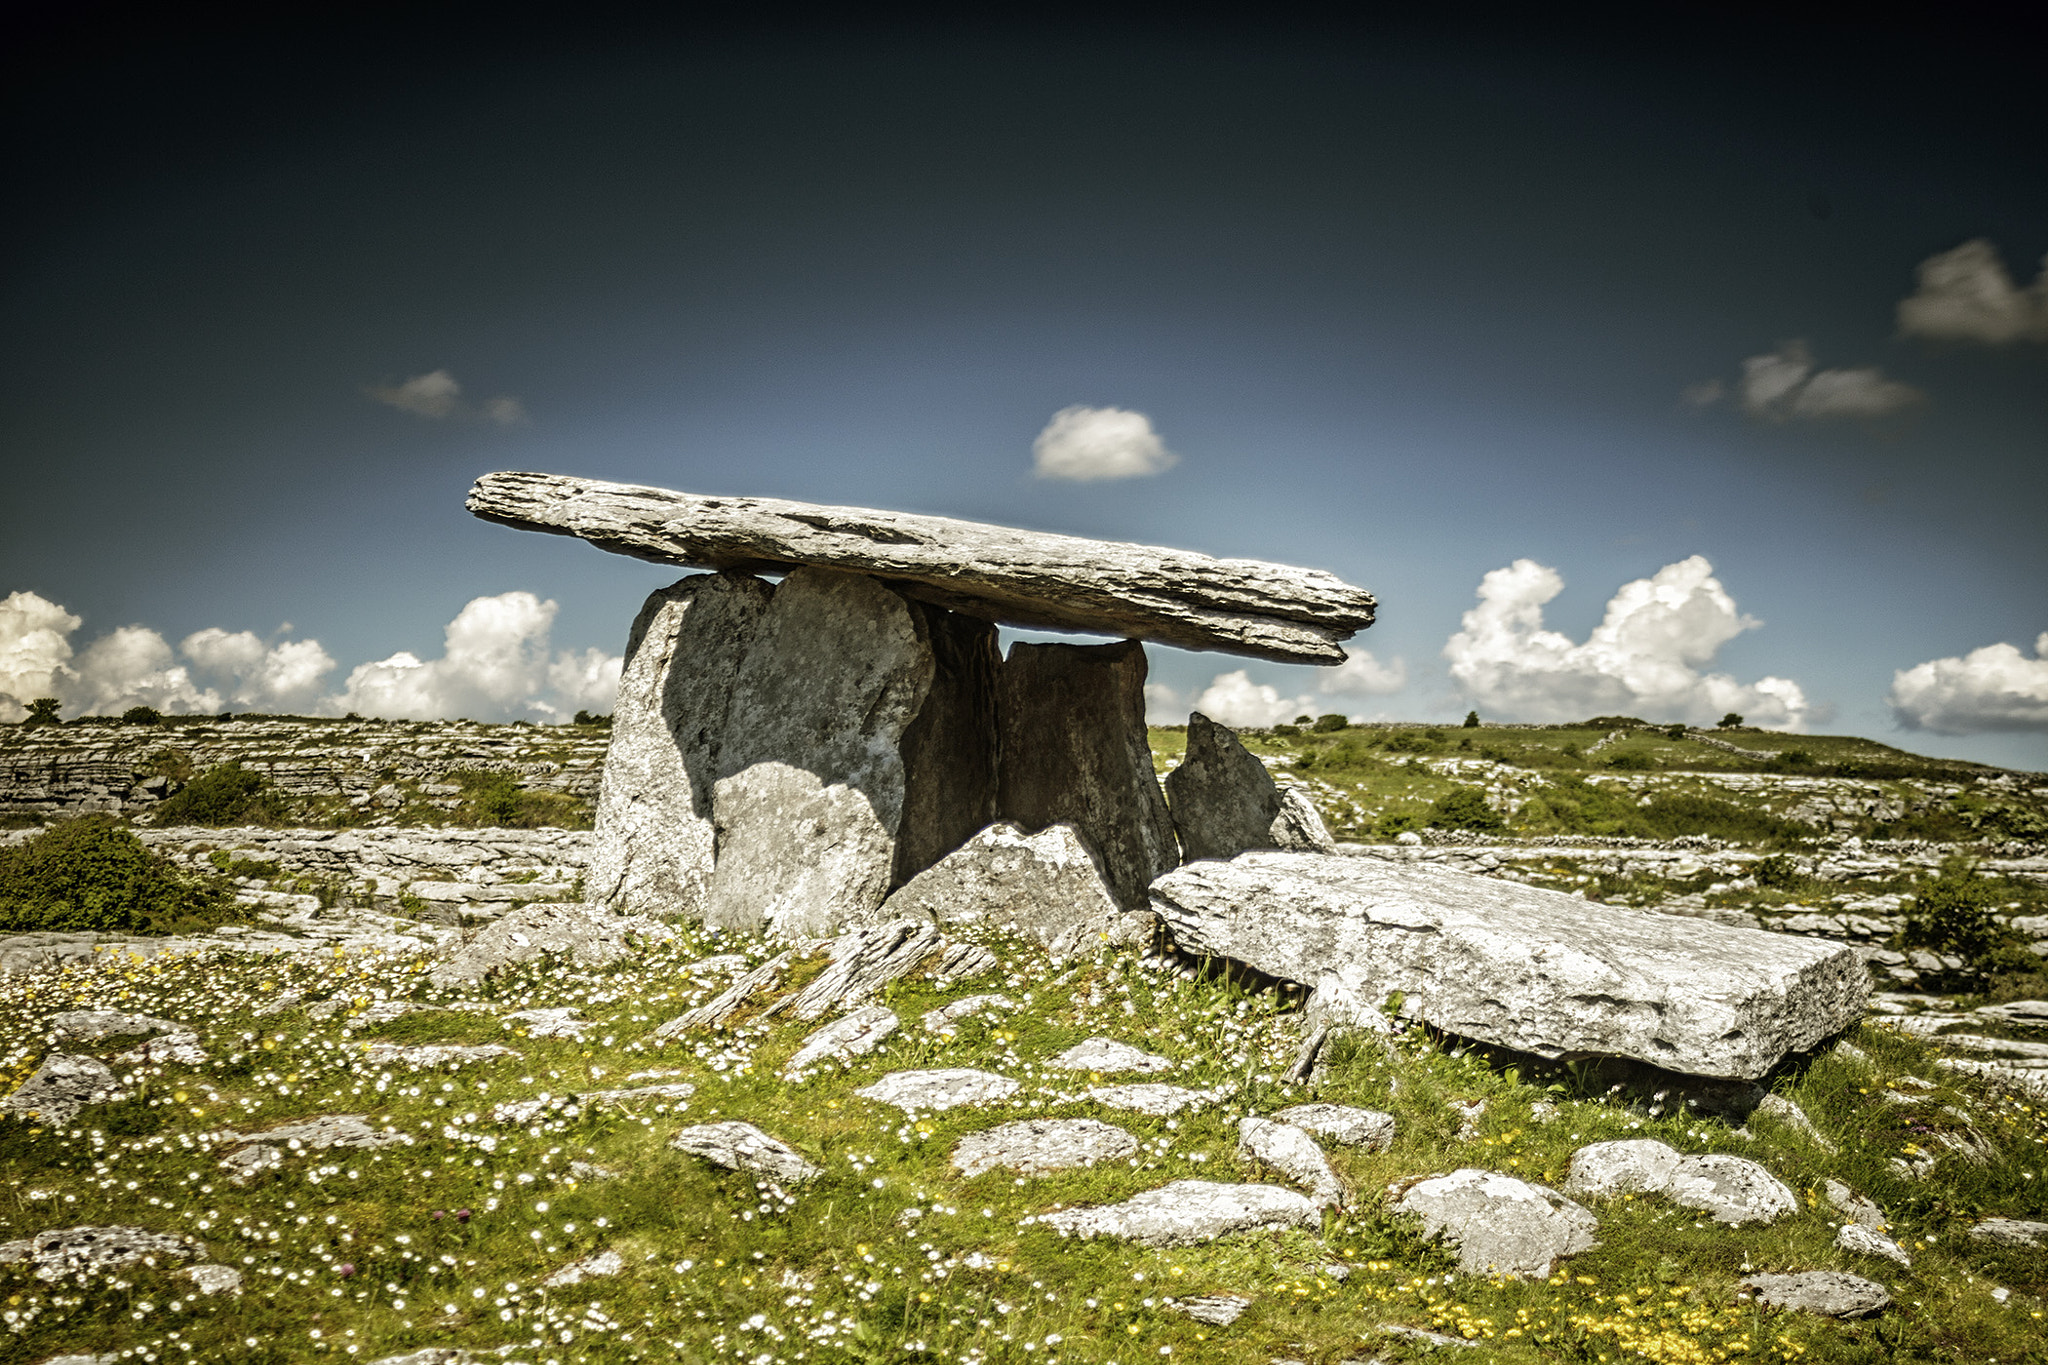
(1014, 577)
(1518, 966)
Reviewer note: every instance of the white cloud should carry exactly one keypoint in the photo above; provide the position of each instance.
(1967, 295)
(134, 666)
(35, 649)
(286, 677)
(1993, 688)
(1235, 700)
(1086, 444)
(496, 665)
(1783, 386)
(1361, 675)
(1644, 658)
(436, 395)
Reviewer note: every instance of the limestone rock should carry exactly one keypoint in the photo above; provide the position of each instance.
(1602, 1170)
(1730, 1189)
(1218, 1310)
(1855, 1207)
(1500, 1225)
(864, 959)
(1074, 750)
(851, 1035)
(1518, 966)
(1187, 1213)
(1789, 1113)
(87, 1251)
(945, 1020)
(266, 1150)
(1867, 1242)
(1828, 1293)
(598, 1265)
(1299, 827)
(557, 1022)
(1039, 886)
(1107, 1056)
(1343, 1124)
(60, 1087)
(88, 1026)
(2010, 1232)
(652, 845)
(741, 1146)
(1037, 1146)
(214, 1279)
(728, 1001)
(1160, 1101)
(947, 1088)
(1289, 1150)
(1019, 578)
(1224, 801)
(418, 1055)
(585, 934)
(809, 792)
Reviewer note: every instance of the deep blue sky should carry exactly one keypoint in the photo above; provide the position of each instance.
(1409, 305)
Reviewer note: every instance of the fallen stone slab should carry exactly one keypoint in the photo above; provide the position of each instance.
(1161, 1101)
(587, 935)
(1343, 1124)
(2010, 1232)
(1826, 1293)
(1040, 1146)
(1730, 1189)
(82, 1252)
(1517, 966)
(1014, 577)
(599, 1265)
(60, 1087)
(1602, 1170)
(852, 1035)
(916, 1092)
(1039, 886)
(1500, 1225)
(1868, 1242)
(1188, 1213)
(1108, 1056)
(727, 1002)
(1218, 1310)
(1291, 1152)
(864, 959)
(741, 1146)
(1224, 801)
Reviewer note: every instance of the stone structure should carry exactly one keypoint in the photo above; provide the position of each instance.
(1224, 801)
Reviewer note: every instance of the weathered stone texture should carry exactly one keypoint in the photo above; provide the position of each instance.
(1042, 886)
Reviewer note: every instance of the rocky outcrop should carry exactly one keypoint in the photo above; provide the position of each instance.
(1074, 750)
(1824, 1293)
(1225, 802)
(1045, 886)
(1015, 577)
(1519, 967)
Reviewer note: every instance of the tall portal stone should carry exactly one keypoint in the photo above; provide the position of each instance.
(1073, 748)
(1224, 801)
(653, 844)
(949, 751)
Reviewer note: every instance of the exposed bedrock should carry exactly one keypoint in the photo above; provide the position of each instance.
(1073, 749)
(1518, 966)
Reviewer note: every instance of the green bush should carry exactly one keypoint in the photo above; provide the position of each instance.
(1465, 808)
(1953, 912)
(1286, 731)
(228, 794)
(592, 718)
(42, 711)
(1471, 720)
(142, 715)
(94, 874)
(496, 799)
(1326, 724)
(1631, 760)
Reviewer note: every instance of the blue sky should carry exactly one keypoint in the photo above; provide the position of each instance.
(1406, 305)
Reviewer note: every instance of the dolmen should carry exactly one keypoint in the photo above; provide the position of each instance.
(847, 747)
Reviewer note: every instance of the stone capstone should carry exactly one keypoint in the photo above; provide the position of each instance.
(587, 935)
(1500, 1225)
(1224, 801)
(741, 1146)
(83, 1252)
(1038, 1146)
(995, 573)
(917, 1092)
(1187, 1213)
(1074, 750)
(1291, 1152)
(1343, 1124)
(1827, 1293)
(1042, 886)
(1517, 966)
(60, 1087)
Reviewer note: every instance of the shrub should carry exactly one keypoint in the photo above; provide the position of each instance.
(591, 718)
(1953, 913)
(42, 711)
(1326, 724)
(496, 799)
(1397, 822)
(1670, 816)
(1631, 760)
(1729, 721)
(1675, 732)
(1287, 731)
(1465, 808)
(1471, 720)
(142, 715)
(94, 874)
(225, 795)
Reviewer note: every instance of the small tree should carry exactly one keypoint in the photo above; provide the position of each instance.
(1329, 723)
(93, 874)
(43, 711)
(142, 715)
(1729, 721)
(1304, 720)
(1465, 808)
(1471, 720)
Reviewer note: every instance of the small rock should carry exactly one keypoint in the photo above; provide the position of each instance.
(84, 1251)
(553, 1023)
(852, 1035)
(1634, 1165)
(587, 935)
(591, 1267)
(1107, 1056)
(1731, 1189)
(1189, 1212)
(1343, 1124)
(2010, 1232)
(943, 1020)
(1218, 1310)
(245, 1164)
(590, 1170)
(1041, 886)
(1855, 1237)
(1854, 1206)
(1500, 1225)
(1828, 1293)
(1037, 1146)
(1293, 1153)
(1161, 1101)
(1790, 1114)
(743, 1147)
(60, 1087)
(215, 1279)
(929, 1091)
(432, 1054)
(1469, 1113)
(1422, 1336)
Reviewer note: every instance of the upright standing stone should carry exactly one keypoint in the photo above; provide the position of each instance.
(654, 839)
(810, 788)
(949, 751)
(1224, 801)
(1073, 748)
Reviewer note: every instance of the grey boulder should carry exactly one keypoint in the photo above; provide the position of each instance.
(946, 1088)
(1187, 1213)
(1224, 801)
(1868, 1242)
(1517, 966)
(1041, 886)
(587, 935)
(741, 1146)
(1107, 1056)
(1500, 1225)
(851, 1035)
(1039, 1146)
(1343, 1124)
(1730, 1189)
(60, 1087)
(2010, 1232)
(1827, 1293)
(1290, 1151)
(1160, 1101)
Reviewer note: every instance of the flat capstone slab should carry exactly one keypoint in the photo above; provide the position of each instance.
(1518, 966)
(917, 1092)
(1826, 1293)
(1188, 1213)
(997, 573)
(1041, 1146)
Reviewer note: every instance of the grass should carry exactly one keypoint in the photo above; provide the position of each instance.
(891, 1255)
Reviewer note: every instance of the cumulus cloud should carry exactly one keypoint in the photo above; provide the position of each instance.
(1967, 295)
(1087, 444)
(1993, 688)
(436, 395)
(498, 664)
(1783, 385)
(1361, 675)
(1645, 657)
(1235, 700)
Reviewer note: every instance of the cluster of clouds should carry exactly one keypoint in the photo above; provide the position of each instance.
(436, 395)
(497, 663)
(1234, 699)
(1996, 688)
(1963, 295)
